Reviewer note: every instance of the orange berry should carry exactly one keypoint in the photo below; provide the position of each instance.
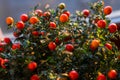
(94, 44)
(20, 25)
(33, 20)
(107, 10)
(9, 20)
(63, 18)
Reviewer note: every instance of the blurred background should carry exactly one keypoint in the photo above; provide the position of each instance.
(15, 8)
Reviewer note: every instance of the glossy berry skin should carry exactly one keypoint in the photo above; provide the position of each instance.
(15, 34)
(67, 13)
(9, 20)
(52, 46)
(39, 12)
(101, 23)
(33, 20)
(73, 75)
(7, 40)
(24, 17)
(112, 28)
(94, 44)
(46, 14)
(62, 5)
(69, 47)
(107, 10)
(63, 18)
(20, 25)
(101, 77)
(3, 62)
(32, 66)
(35, 77)
(112, 74)
(16, 46)
(86, 12)
(108, 46)
(35, 33)
(52, 25)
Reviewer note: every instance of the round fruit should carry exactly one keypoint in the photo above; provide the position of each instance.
(52, 25)
(20, 25)
(57, 41)
(35, 33)
(24, 17)
(39, 12)
(35, 77)
(94, 44)
(112, 28)
(69, 47)
(52, 46)
(7, 40)
(73, 75)
(101, 23)
(108, 46)
(107, 10)
(86, 12)
(3, 62)
(1, 49)
(16, 46)
(67, 13)
(32, 66)
(101, 77)
(63, 18)
(46, 14)
(9, 20)
(62, 5)
(33, 20)
(112, 74)
(15, 34)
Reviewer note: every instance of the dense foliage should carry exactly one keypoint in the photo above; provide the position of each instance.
(57, 45)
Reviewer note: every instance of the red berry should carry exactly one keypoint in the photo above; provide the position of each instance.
(16, 46)
(46, 14)
(107, 10)
(52, 46)
(101, 77)
(86, 12)
(33, 20)
(67, 13)
(108, 46)
(112, 74)
(20, 25)
(1, 49)
(3, 63)
(73, 75)
(101, 23)
(63, 18)
(35, 77)
(39, 12)
(32, 66)
(35, 33)
(15, 34)
(52, 25)
(112, 28)
(57, 41)
(7, 40)
(24, 17)
(69, 47)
